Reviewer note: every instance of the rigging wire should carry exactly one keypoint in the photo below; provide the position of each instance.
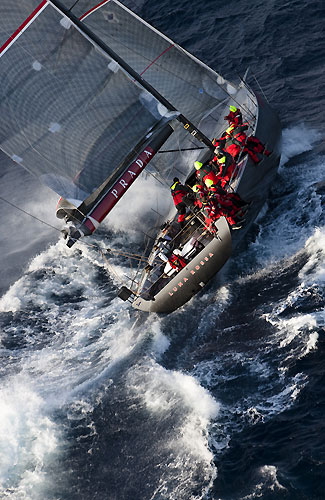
(77, 1)
(258, 83)
(90, 245)
(183, 149)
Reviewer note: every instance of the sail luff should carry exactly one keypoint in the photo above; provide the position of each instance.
(30, 19)
(90, 35)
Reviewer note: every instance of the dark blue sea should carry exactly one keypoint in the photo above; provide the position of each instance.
(223, 399)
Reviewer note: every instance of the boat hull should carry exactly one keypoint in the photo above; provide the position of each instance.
(192, 278)
(253, 187)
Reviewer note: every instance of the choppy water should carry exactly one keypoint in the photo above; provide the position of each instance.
(223, 399)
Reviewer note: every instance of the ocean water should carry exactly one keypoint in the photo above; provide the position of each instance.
(223, 399)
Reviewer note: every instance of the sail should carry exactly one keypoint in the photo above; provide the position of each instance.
(68, 113)
(188, 84)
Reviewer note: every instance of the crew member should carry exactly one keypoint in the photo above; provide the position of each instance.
(212, 208)
(226, 165)
(235, 140)
(176, 260)
(180, 193)
(253, 146)
(206, 175)
(206, 206)
(231, 209)
(234, 197)
(234, 117)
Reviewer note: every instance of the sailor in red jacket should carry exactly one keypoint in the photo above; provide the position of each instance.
(180, 193)
(253, 146)
(177, 261)
(214, 206)
(234, 197)
(207, 208)
(234, 117)
(235, 140)
(206, 175)
(226, 165)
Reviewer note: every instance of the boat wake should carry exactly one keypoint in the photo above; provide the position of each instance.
(94, 405)
(71, 350)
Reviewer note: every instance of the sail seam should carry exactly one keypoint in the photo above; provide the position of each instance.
(30, 19)
(201, 63)
(153, 62)
(90, 11)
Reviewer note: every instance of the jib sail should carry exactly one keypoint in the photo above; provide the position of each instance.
(85, 86)
(188, 84)
(69, 113)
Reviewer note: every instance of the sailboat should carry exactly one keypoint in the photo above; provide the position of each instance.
(91, 96)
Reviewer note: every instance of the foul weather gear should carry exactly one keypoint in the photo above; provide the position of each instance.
(234, 117)
(234, 197)
(205, 173)
(224, 161)
(236, 140)
(254, 146)
(215, 206)
(176, 261)
(180, 194)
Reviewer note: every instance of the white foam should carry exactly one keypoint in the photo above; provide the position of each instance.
(160, 343)
(138, 210)
(300, 330)
(213, 308)
(28, 438)
(165, 392)
(314, 269)
(297, 140)
(83, 343)
(269, 482)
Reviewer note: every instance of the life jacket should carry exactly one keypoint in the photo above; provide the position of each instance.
(178, 192)
(176, 261)
(201, 195)
(234, 117)
(255, 144)
(236, 135)
(223, 163)
(207, 176)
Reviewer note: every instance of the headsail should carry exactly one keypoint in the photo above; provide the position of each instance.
(69, 114)
(189, 85)
(85, 86)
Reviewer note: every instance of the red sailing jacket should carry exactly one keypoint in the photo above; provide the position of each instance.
(176, 261)
(234, 117)
(179, 193)
(207, 172)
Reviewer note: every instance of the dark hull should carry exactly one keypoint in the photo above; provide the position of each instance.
(253, 187)
(194, 276)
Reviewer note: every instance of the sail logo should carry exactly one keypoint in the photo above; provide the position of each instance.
(193, 271)
(118, 189)
(132, 173)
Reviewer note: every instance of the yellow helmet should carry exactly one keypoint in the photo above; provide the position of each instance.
(195, 188)
(233, 108)
(198, 165)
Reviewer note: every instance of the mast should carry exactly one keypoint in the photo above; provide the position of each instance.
(189, 126)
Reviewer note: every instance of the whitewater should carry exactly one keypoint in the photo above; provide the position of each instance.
(224, 398)
(69, 346)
